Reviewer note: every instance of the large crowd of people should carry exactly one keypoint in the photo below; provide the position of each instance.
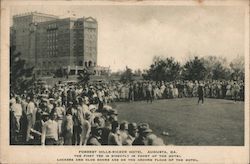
(82, 115)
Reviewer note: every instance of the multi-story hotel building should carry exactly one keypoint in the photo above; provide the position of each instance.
(49, 43)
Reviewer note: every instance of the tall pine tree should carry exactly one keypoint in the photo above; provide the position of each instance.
(21, 77)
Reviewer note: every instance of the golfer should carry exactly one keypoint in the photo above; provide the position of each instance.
(201, 93)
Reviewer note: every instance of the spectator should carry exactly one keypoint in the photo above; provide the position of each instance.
(85, 128)
(95, 138)
(114, 137)
(132, 133)
(67, 128)
(124, 131)
(50, 131)
(37, 131)
(144, 131)
(29, 115)
(17, 111)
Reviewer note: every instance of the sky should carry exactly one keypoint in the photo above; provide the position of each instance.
(132, 35)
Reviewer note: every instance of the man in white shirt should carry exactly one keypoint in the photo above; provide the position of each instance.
(50, 131)
(60, 111)
(29, 114)
(132, 134)
(17, 110)
(114, 137)
(124, 131)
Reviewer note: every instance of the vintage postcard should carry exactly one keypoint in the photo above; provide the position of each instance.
(124, 81)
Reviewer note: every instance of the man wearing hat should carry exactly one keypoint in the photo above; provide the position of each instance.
(132, 134)
(95, 138)
(144, 131)
(50, 131)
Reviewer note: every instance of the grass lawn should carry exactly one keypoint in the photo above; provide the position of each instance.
(217, 122)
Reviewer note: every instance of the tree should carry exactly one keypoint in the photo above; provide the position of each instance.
(127, 75)
(84, 77)
(21, 77)
(216, 68)
(194, 69)
(238, 68)
(166, 69)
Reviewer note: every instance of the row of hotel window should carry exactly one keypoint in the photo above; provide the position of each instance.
(55, 52)
(54, 38)
(88, 39)
(76, 24)
(60, 63)
(87, 47)
(50, 64)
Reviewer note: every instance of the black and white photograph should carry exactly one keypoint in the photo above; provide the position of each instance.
(127, 75)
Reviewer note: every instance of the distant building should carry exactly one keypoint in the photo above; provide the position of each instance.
(49, 43)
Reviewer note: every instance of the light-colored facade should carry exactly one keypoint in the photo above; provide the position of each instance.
(49, 43)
